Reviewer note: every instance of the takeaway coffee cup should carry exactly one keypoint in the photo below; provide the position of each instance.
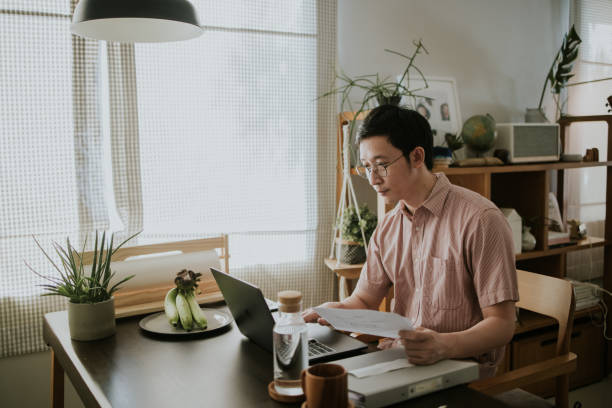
(325, 386)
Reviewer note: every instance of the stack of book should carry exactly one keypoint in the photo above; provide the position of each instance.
(585, 295)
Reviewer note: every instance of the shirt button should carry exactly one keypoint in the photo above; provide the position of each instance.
(418, 229)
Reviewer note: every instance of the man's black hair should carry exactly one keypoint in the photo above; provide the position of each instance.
(405, 128)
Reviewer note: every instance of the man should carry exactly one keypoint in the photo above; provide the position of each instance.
(447, 251)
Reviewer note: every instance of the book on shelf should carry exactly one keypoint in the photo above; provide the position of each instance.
(558, 238)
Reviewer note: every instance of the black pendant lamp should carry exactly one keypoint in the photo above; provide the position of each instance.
(136, 20)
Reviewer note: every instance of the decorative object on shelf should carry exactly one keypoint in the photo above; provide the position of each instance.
(354, 227)
(609, 103)
(438, 103)
(567, 157)
(374, 89)
(502, 154)
(529, 142)
(535, 115)
(91, 310)
(528, 241)
(136, 20)
(577, 229)
(454, 142)
(559, 72)
(479, 133)
(442, 156)
(516, 225)
(478, 161)
(591, 155)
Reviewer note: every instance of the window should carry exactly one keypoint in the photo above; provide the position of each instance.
(220, 134)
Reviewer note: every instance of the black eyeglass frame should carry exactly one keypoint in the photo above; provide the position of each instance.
(379, 169)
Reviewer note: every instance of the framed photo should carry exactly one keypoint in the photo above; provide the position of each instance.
(438, 103)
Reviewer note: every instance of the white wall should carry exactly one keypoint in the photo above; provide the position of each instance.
(498, 51)
(25, 382)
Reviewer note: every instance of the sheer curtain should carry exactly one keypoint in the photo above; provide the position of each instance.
(221, 134)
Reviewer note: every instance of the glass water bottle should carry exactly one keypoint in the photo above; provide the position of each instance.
(290, 337)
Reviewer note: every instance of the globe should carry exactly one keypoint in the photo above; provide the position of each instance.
(478, 132)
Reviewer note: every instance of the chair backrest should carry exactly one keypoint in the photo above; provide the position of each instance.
(549, 296)
(195, 245)
(130, 302)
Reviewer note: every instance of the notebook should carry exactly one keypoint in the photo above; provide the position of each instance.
(255, 320)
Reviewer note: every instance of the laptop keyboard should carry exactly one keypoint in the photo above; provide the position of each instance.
(316, 348)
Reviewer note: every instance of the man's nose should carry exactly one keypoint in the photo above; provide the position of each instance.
(374, 178)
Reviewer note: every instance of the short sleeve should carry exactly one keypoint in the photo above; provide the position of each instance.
(490, 254)
(373, 278)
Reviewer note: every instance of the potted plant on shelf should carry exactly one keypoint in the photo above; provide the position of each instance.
(350, 247)
(558, 75)
(91, 309)
(374, 89)
(371, 90)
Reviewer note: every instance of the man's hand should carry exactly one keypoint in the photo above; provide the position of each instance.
(423, 346)
(310, 316)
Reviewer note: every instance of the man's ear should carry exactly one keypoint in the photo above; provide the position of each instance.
(417, 157)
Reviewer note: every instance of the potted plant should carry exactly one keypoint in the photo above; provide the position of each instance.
(373, 89)
(558, 75)
(91, 309)
(350, 248)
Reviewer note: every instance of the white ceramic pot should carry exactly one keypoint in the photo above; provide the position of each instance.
(535, 115)
(91, 321)
(528, 241)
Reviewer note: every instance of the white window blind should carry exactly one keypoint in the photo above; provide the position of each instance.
(221, 134)
(231, 136)
(594, 18)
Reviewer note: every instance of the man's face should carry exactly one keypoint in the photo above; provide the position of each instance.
(400, 179)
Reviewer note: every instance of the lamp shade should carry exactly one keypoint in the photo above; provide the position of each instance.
(135, 20)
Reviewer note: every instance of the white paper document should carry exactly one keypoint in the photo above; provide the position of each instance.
(363, 321)
(380, 368)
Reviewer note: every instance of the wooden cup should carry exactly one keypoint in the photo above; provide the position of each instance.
(325, 386)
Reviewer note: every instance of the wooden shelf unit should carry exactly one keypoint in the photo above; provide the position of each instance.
(525, 188)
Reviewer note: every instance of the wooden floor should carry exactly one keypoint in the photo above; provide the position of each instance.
(596, 395)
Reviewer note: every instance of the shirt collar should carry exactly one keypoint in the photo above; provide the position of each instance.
(435, 202)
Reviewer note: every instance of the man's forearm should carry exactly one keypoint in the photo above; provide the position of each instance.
(490, 333)
(358, 300)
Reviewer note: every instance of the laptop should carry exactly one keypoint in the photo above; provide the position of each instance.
(254, 319)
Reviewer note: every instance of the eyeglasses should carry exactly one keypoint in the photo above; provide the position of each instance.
(378, 169)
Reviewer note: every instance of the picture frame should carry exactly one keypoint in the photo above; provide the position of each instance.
(438, 103)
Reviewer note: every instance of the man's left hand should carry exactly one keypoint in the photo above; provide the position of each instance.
(423, 346)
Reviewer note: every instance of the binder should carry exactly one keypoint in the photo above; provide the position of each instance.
(405, 383)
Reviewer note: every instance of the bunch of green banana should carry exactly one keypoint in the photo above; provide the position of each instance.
(180, 304)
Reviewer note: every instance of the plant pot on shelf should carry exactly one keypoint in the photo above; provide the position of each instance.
(535, 115)
(349, 252)
(91, 321)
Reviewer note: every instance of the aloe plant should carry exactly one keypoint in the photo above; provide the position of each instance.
(73, 282)
(561, 68)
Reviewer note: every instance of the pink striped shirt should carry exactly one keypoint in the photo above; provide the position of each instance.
(447, 261)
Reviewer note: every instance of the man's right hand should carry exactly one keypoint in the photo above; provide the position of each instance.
(310, 316)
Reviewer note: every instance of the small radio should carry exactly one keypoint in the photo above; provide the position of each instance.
(529, 142)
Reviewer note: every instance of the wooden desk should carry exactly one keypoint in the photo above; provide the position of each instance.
(131, 369)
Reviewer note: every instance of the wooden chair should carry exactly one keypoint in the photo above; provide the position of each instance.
(552, 297)
(129, 302)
